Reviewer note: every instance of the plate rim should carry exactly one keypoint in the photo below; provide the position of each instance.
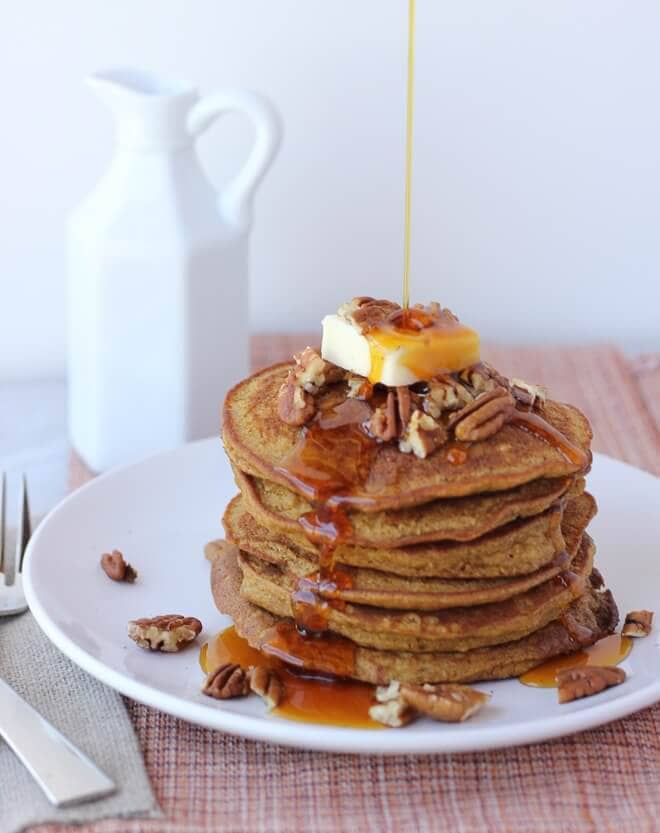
(321, 738)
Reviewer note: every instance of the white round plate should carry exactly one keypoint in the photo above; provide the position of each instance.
(162, 511)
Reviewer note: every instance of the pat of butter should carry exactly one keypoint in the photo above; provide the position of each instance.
(395, 357)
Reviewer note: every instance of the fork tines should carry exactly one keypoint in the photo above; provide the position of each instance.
(24, 525)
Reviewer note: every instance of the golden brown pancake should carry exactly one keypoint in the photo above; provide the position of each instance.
(383, 589)
(451, 629)
(457, 519)
(589, 618)
(257, 441)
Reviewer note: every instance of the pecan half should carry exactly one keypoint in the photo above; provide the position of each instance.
(265, 682)
(295, 405)
(423, 435)
(483, 417)
(533, 396)
(167, 633)
(573, 683)
(638, 623)
(227, 681)
(116, 568)
(404, 406)
(383, 422)
(448, 702)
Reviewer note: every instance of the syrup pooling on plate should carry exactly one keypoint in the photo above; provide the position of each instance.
(307, 697)
(609, 651)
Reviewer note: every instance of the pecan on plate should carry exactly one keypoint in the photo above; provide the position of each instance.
(449, 702)
(423, 435)
(391, 709)
(167, 633)
(265, 682)
(227, 681)
(483, 417)
(573, 683)
(638, 623)
(116, 568)
(295, 405)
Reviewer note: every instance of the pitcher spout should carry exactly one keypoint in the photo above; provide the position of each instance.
(150, 110)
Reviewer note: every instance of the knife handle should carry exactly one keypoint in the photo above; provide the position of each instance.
(61, 770)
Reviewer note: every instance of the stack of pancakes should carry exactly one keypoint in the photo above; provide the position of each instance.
(448, 572)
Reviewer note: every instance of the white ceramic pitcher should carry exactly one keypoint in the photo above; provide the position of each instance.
(158, 273)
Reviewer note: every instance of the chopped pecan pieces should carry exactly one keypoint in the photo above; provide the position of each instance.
(394, 713)
(533, 396)
(573, 683)
(167, 633)
(484, 416)
(366, 313)
(358, 387)
(638, 623)
(295, 405)
(265, 682)
(116, 568)
(422, 435)
(449, 702)
(391, 709)
(227, 681)
(481, 377)
(445, 394)
(383, 422)
(312, 372)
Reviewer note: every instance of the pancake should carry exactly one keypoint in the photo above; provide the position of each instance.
(451, 629)
(459, 519)
(589, 618)
(257, 441)
(383, 589)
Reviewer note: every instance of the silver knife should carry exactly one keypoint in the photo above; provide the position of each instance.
(62, 771)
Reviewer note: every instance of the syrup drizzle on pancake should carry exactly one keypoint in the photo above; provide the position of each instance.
(333, 455)
(332, 458)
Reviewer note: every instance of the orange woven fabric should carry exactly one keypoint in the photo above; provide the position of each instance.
(603, 780)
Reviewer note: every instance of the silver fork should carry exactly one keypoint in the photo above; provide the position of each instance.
(12, 600)
(63, 772)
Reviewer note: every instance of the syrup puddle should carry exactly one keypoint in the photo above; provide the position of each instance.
(308, 697)
(609, 651)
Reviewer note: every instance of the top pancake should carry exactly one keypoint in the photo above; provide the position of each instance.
(257, 441)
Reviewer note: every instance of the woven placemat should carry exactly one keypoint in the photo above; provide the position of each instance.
(602, 780)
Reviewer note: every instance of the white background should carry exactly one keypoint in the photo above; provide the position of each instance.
(537, 178)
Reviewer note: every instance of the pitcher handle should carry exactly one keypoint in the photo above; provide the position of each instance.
(237, 197)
